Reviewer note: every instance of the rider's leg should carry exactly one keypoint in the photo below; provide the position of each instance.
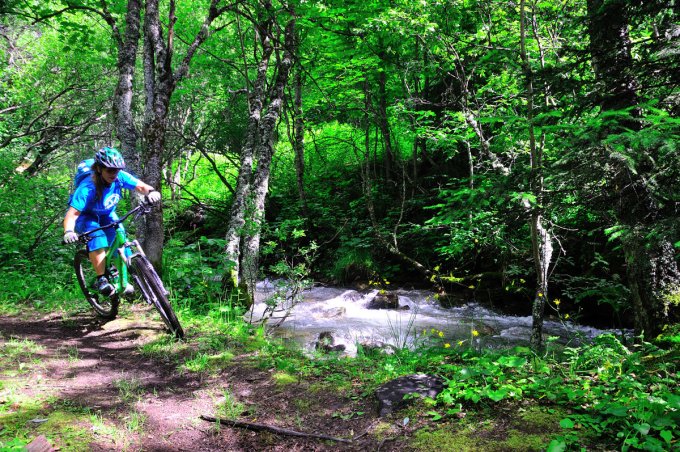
(97, 247)
(98, 259)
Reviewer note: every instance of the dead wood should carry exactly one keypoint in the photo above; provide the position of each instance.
(270, 428)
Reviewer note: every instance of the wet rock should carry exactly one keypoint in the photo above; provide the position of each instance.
(384, 300)
(352, 296)
(391, 394)
(326, 343)
(331, 313)
(374, 346)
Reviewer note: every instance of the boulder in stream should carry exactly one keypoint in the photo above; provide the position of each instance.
(326, 343)
(384, 300)
(391, 394)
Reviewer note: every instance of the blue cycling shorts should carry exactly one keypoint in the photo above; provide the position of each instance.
(100, 239)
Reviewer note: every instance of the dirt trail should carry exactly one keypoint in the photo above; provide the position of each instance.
(89, 363)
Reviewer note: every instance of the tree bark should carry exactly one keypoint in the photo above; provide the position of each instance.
(541, 240)
(237, 221)
(299, 143)
(159, 84)
(264, 154)
(124, 96)
(383, 121)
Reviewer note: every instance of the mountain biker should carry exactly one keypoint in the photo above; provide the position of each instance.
(93, 205)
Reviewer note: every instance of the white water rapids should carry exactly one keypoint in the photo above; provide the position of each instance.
(343, 313)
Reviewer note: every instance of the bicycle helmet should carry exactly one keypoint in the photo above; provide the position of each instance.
(110, 158)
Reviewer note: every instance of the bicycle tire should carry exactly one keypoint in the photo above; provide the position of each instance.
(152, 290)
(105, 307)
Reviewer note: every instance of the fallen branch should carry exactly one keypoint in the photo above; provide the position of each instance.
(270, 428)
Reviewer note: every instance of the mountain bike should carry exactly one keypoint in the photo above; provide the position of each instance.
(125, 261)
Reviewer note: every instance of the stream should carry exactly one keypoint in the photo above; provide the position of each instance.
(420, 319)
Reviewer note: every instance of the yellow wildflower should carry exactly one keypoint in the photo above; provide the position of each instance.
(460, 343)
(566, 316)
(471, 287)
(540, 294)
(475, 333)
(441, 334)
(447, 345)
(557, 301)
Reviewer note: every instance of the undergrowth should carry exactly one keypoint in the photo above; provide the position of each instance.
(607, 394)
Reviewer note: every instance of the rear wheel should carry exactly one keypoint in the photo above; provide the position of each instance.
(105, 307)
(151, 288)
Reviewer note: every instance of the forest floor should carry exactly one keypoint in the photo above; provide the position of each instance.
(88, 384)
(85, 384)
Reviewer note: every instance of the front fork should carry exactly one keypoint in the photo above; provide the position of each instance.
(120, 259)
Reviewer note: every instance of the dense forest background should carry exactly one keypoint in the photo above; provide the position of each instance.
(523, 154)
(512, 152)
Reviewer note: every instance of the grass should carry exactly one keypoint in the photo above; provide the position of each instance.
(129, 389)
(228, 407)
(605, 395)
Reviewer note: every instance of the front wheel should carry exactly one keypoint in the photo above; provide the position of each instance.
(152, 290)
(105, 307)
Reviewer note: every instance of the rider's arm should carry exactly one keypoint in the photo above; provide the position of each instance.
(144, 188)
(72, 215)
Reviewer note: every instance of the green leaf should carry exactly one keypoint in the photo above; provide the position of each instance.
(497, 395)
(556, 445)
(566, 423)
(435, 415)
(643, 429)
(617, 410)
(666, 435)
(512, 361)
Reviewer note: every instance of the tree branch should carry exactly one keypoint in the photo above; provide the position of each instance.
(270, 428)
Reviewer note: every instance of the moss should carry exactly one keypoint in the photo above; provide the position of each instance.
(66, 431)
(446, 440)
(284, 379)
(536, 419)
(491, 435)
(384, 430)
(520, 441)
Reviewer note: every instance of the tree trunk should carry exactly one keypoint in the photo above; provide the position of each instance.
(299, 144)
(383, 121)
(123, 96)
(652, 270)
(159, 84)
(540, 237)
(237, 220)
(264, 154)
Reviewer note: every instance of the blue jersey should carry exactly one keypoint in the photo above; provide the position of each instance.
(83, 199)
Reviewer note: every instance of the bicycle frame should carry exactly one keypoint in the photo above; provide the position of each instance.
(119, 253)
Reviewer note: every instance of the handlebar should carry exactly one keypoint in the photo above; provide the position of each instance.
(142, 209)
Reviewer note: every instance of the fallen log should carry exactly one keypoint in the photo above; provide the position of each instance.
(270, 428)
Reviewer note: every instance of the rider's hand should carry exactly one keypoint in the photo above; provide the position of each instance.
(153, 197)
(70, 237)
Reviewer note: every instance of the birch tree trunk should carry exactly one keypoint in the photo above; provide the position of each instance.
(264, 154)
(237, 220)
(541, 240)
